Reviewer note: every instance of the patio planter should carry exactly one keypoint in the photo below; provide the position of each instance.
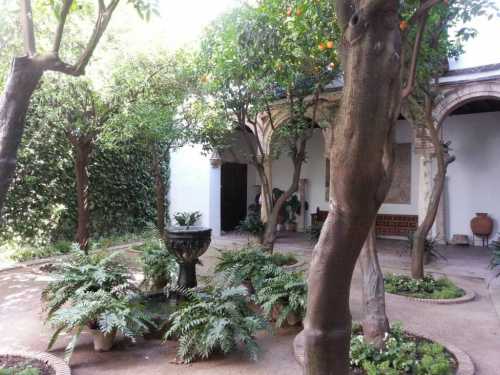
(187, 244)
(103, 342)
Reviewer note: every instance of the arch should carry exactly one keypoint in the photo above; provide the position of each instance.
(465, 93)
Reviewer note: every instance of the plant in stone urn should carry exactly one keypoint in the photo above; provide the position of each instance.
(187, 244)
(187, 219)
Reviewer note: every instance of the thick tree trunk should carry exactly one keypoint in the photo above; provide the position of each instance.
(367, 115)
(23, 79)
(160, 194)
(82, 147)
(375, 323)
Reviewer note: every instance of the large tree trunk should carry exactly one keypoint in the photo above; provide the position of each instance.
(375, 323)
(160, 194)
(23, 79)
(367, 115)
(83, 147)
(422, 232)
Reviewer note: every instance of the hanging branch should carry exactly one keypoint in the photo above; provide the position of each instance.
(413, 64)
(27, 28)
(423, 10)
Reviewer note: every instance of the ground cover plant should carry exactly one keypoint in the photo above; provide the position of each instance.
(402, 354)
(214, 320)
(428, 287)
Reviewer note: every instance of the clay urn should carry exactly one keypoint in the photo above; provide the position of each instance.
(481, 225)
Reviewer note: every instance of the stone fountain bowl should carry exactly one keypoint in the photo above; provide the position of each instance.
(188, 243)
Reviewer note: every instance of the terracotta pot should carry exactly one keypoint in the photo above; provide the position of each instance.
(481, 225)
(103, 342)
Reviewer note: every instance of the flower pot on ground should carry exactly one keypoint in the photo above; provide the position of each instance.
(103, 342)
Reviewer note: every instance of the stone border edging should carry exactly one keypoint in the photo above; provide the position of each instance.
(59, 366)
(464, 362)
(469, 296)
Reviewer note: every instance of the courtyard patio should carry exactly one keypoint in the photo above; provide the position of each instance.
(473, 326)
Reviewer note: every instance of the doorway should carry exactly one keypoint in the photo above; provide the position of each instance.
(233, 195)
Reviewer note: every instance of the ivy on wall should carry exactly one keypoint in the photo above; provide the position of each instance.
(41, 205)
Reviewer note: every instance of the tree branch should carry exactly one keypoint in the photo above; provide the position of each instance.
(345, 9)
(423, 10)
(60, 27)
(413, 64)
(27, 28)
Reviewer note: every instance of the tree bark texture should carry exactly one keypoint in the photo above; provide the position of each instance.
(23, 79)
(82, 147)
(160, 194)
(375, 323)
(358, 174)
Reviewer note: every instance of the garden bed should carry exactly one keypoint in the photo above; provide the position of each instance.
(404, 347)
(31, 363)
(429, 289)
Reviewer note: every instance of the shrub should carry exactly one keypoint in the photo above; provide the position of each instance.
(401, 354)
(214, 320)
(20, 370)
(284, 293)
(187, 219)
(24, 252)
(428, 287)
(251, 264)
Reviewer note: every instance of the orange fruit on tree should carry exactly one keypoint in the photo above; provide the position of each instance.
(329, 44)
(321, 46)
(298, 12)
(289, 12)
(403, 25)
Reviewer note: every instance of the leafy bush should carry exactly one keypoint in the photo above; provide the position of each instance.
(99, 294)
(284, 293)
(158, 264)
(23, 252)
(313, 232)
(252, 224)
(187, 219)
(428, 287)
(214, 320)
(251, 264)
(401, 354)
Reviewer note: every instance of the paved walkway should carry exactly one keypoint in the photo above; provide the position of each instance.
(473, 326)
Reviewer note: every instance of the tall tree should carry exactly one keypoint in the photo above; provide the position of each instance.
(360, 167)
(152, 92)
(26, 71)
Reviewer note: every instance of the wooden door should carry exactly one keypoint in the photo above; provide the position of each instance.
(233, 195)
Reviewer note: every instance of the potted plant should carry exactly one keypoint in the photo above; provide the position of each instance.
(214, 320)
(187, 219)
(93, 291)
(158, 265)
(283, 298)
(253, 226)
(292, 207)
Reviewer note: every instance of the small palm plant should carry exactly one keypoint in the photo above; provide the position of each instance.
(213, 320)
(283, 297)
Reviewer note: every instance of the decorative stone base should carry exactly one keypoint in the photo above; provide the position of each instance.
(469, 296)
(59, 366)
(464, 362)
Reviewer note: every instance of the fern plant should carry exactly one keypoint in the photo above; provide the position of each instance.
(216, 319)
(109, 312)
(85, 273)
(249, 265)
(187, 219)
(158, 264)
(282, 295)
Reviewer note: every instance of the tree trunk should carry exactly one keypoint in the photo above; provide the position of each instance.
(368, 113)
(23, 79)
(160, 194)
(375, 323)
(422, 232)
(269, 237)
(83, 148)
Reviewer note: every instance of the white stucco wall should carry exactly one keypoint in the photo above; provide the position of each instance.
(190, 182)
(474, 178)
